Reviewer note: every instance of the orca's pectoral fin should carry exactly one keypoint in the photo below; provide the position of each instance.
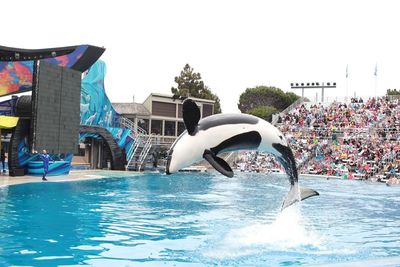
(191, 115)
(219, 164)
(293, 195)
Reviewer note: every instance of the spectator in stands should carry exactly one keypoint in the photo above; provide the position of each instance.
(361, 138)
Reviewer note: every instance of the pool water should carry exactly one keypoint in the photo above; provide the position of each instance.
(196, 220)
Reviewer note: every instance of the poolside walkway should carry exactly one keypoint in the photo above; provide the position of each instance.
(6, 180)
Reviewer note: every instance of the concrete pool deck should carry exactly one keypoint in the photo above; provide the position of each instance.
(6, 180)
(78, 175)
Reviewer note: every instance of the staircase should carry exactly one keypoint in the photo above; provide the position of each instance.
(137, 155)
(142, 152)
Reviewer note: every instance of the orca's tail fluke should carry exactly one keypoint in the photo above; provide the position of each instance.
(293, 195)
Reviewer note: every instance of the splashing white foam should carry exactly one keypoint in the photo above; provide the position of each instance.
(286, 232)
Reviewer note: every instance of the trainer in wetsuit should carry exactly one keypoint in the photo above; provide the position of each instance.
(3, 158)
(46, 159)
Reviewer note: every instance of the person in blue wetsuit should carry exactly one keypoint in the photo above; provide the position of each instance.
(3, 158)
(46, 160)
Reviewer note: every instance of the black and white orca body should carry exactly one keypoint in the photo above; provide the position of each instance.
(206, 138)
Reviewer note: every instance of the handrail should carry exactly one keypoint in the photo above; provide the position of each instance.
(127, 123)
(138, 135)
(144, 152)
(287, 109)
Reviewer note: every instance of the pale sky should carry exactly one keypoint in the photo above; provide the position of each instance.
(233, 44)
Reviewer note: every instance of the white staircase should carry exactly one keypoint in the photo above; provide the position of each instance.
(136, 156)
(145, 151)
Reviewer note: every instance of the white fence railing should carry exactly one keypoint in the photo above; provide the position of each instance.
(142, 142)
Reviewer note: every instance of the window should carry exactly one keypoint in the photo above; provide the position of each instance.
(169, 128)
(207, 110)
(156, 126)
(181, 127)
(179, 110)
(81, 150)
(164, 109)
(144, 124)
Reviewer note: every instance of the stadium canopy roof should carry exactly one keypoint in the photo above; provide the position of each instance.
(79, 57)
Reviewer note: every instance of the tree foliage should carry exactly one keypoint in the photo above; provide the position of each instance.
(263, 112)
(210, 95)
(392, 92)
(189, 83)
(292, 97)
(264, 96)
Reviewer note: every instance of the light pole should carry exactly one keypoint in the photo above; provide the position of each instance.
(314, 85)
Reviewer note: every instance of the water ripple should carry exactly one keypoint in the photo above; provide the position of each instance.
(196, 220)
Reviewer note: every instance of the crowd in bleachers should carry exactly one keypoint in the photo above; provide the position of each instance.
(360, 139)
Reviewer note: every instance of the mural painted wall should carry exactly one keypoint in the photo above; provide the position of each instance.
(7, 107)
(15, 77)
(123, 138)
(70, 59)
(97, 110)
(59, 165)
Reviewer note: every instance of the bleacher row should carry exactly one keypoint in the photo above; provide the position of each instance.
(355, 140)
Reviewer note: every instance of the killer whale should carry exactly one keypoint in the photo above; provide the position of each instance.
(210, 136)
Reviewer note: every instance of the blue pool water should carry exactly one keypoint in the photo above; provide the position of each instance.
(196, 220)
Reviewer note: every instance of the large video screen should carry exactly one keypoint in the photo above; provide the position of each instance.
(15, 77)
(56, 102)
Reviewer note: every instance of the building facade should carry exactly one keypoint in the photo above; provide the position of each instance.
(161, 114)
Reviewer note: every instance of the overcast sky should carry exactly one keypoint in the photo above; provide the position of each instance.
(233, 44)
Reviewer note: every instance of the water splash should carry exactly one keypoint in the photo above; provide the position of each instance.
(286, 232)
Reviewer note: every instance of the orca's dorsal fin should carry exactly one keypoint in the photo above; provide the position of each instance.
(219, 164)
(191, 115)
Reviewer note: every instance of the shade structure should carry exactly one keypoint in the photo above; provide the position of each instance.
(7, 122)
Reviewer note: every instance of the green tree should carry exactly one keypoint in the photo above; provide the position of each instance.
(392, 92)
(263, 112)
(189, 83)
(210, 95)
(265, 96)
(292, 97)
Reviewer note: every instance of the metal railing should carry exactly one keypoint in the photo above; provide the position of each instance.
(127, 123)
(140, 137)
(275, 117)
(145, 151)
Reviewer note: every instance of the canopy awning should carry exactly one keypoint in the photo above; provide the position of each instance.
(7, 122)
